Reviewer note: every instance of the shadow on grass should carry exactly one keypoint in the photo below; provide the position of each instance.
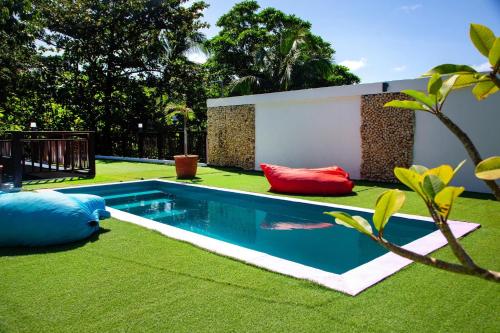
(237, 171)
(389, 186)
(22, 250)
(109, 161)
(352, 194)
(54, 180)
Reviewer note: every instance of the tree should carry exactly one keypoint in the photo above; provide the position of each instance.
(463, 76)
(19, 28)
(267, 51)
(432, 187)
(175, 110)
(115, 44)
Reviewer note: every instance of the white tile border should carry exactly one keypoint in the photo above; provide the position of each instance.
(351, 282)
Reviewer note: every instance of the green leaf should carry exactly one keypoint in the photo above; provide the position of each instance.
(388, 203)
(420, 169)
(435, 83)
(482, 38)
(432, 185)
(356, 222)
(494, 55)
(467, 80)
(447, 87)
(450, 69)
(411, 179)
(458, 167)
(489, 169)
(413, 105)
(443, 172)
(484, 89)
(421, 97)
(444, 199)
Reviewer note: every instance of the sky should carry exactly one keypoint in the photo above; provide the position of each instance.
(383, 40)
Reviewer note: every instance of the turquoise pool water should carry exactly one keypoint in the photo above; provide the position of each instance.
(295, 231)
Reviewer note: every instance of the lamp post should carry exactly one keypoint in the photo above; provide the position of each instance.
(33, 126)
(140, 128)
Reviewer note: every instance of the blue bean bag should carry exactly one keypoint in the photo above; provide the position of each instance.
(48, 218)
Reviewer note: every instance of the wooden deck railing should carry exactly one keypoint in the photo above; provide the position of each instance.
(41, 154)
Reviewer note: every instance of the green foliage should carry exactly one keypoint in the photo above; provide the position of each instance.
(428, 100)
(268, 50)
(96, 61)
(387, 205)
(489, 168)
(413, 105)
(355, 222)
(484, 85)
(445, 198)
(482, 37)
(427, 183)
(449, 69)
(412, 179)
(435, 83)
(174, 110)
(430, 184)
(488, 45)
(484, 89)
(19, 27)
(494, 54)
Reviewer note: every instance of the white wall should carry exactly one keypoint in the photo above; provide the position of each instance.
(309, 135)
(318, 127)
(435, 144)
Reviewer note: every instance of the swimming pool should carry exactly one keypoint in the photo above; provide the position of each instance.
(286, 235)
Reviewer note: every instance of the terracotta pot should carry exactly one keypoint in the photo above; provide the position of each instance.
(186, 165)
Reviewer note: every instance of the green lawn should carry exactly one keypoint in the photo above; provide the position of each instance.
(132, 279)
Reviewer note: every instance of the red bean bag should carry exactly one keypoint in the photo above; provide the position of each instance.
(323, 181)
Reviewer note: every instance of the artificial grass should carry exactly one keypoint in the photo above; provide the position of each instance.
(133, 279)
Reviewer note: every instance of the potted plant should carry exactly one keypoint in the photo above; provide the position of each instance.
(185, 165)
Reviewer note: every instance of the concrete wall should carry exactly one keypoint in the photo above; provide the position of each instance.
(317, 127)
(435, 144)
(309, 135)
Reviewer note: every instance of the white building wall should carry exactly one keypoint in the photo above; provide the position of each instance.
(435, 144)
(310, 134)
(319, 127)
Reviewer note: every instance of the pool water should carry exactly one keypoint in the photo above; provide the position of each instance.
(295, 231)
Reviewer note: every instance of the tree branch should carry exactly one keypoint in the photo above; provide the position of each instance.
(456, 247)
(437, 263)
(469, 147)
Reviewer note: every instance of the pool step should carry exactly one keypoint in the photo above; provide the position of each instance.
(151, 209)
(134, 196)
(165, 214)
(141, 203)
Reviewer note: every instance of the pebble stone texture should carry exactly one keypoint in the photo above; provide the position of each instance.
(231, 136)
(387, 136)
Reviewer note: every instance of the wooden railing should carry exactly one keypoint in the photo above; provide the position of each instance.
(157, 145)
(41, 154)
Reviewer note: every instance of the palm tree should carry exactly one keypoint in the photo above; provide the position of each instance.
(174, 110)
(278, 67)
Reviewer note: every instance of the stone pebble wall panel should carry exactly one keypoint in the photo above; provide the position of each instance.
(231, 136)
(387, 136)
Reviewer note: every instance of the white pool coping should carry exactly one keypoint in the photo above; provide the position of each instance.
(351, 282)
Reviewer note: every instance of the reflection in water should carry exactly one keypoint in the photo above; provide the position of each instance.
(294, 225)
